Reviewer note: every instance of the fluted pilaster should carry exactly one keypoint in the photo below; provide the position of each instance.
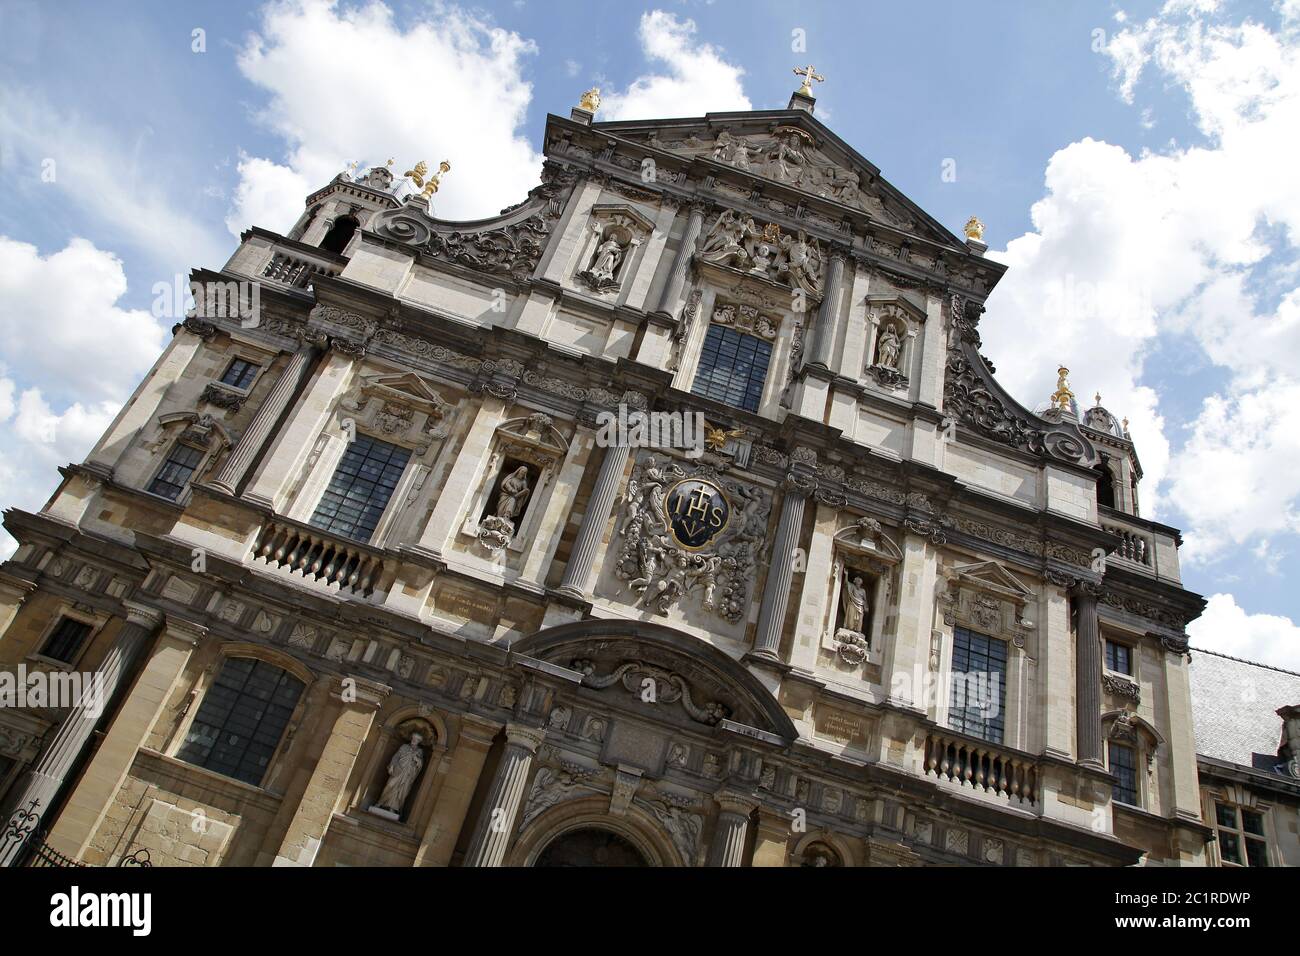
(496, 824)
(594, 520)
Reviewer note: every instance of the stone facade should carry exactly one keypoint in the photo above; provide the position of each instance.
(529, 618)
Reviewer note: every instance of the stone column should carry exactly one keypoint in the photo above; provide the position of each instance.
(48, 773)
(259, 429)
(594, 521)
(311, 819)
(728, 846)
(439, 840)
(828, 313)
(142, 704)
(681, 262)
(496, 825)
(780, 573)
(1087, 676)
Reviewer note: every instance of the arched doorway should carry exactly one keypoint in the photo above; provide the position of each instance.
(590, 846)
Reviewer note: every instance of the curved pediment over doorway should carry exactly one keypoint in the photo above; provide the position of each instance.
(697, 681)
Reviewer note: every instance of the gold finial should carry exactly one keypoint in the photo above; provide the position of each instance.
(1062, 397)
(809, 73)
(432, 186)
(975, 229)
(390, 161)
(590, 100)
(417, 174)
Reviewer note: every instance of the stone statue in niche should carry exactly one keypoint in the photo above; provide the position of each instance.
(604, 269)
(851, 641)
(608, 256)
(510, 502)
(888, 347)
(496, 530)
(403, 770)
(853, 597)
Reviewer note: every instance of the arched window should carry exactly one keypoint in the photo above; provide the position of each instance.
(241, 719)
(340, 234)
(1105, 483)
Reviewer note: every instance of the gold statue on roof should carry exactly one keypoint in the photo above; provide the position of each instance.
(590, 100)
(975, 229)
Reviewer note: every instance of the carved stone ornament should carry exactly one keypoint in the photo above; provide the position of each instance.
(655, 562)
(740, 243)
(974, 398)
(653, 683)
(214, 393)
(402, 407)
(510, 244)
(1122, 687)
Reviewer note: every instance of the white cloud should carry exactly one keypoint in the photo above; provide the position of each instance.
(1265, 638)
(698, 79)
(61, 327)
(1132, 251)
(71, 355)
(328, 72)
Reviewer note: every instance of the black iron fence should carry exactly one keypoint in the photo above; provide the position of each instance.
(23, 844)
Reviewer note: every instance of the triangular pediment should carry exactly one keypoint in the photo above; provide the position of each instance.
(796, 150)
(993, 576)
(408, 384)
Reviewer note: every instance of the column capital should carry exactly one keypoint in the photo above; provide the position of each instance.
(142, 614)
(731, 800)
(183, 631)
(525, 736)
(360, 691)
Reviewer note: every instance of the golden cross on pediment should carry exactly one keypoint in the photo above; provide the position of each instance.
(809, 73)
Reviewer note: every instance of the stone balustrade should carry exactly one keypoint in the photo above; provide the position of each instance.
(981, 765)
(316, 555)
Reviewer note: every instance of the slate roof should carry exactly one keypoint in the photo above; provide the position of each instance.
(1234, 704)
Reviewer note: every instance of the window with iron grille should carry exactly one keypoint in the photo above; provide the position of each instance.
(1123, 764)
(359, 491)
(733, 367)
(240, 374)
(176, 471)
(978, 691)
(1119, 658)
(241, 719)
(1241, 836)
(66, 640)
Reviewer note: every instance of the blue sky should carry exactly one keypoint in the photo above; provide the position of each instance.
(1131, 162)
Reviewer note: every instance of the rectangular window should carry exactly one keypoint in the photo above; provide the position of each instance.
(66, 640)
(1123, 764)
(733, 367)
(1119, 658)
(176, 471)
(1241, 835)
(240, 374)
(978, 692)
(359, 491)
(241, 719)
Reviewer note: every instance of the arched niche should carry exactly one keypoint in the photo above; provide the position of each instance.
(636, 826)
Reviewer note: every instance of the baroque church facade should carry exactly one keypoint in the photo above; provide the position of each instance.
(364, 579)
